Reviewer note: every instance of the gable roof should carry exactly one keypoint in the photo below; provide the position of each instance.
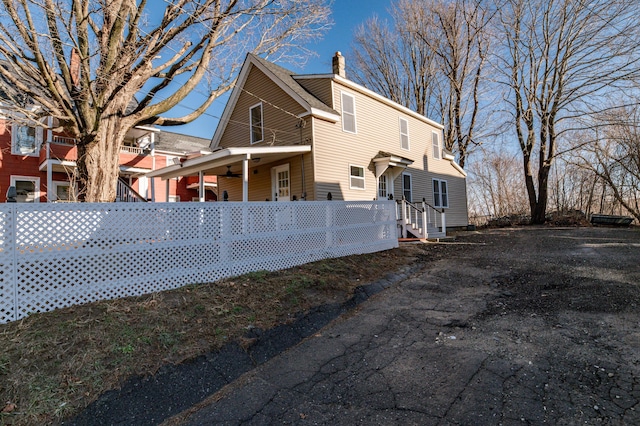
(284, 78)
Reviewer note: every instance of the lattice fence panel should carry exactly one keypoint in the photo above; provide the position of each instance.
(57, 255)
(7, 265)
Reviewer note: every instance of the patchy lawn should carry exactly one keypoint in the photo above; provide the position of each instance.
(53, 365)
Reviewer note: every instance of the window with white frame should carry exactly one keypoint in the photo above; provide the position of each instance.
(383, 192)
(176, 198)
(62, 191)
(440, 193)
(406, 187)
(257, 127)
(356, 177)
(404, 133)
(27, 188)
(435, 143)
(348, 113)
(25, 140)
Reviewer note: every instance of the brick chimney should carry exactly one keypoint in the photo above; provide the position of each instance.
(339, 65)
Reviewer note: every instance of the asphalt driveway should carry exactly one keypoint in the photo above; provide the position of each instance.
(510, 326)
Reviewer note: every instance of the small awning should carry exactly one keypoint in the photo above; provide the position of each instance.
(216, 163)
(385, 161)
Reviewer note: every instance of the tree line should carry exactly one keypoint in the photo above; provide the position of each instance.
(539, 98)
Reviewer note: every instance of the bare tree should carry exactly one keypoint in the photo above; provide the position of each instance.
(614, 159)
(394, 62)
(495, 189)
(432, 60)
(559, 59)
(84, 61)
(457, 33)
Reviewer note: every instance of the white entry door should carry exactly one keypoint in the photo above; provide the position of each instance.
(281, 183)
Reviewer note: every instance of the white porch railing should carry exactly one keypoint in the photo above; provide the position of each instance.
(126, 194)
(132, 149)
(60, 140)
(57, 255)
(421, 220)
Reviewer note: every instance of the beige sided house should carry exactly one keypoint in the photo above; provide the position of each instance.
(285, 137)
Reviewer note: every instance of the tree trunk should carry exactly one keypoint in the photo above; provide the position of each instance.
(98, 162)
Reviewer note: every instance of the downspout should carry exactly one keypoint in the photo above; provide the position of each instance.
(48, 161)
(153, 167)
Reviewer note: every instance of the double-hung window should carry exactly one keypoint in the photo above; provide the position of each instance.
(404, 133)
(25, 140)
(348, 113)
(27, 188)
(62, 191)
(435, 143)
(356, 177)
(440, 194)
(257, 128)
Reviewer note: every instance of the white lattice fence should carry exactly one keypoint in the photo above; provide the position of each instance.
(57, 255)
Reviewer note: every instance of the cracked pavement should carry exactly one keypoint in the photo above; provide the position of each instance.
(511, 326)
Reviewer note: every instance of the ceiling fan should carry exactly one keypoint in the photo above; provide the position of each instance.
(230, 174)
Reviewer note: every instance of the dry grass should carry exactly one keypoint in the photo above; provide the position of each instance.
(53, 365)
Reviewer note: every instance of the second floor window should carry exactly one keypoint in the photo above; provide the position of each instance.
(257, 129)
(25, 140)
(348, 113)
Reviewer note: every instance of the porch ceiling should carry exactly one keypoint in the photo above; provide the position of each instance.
(216, 163)
(61, 166)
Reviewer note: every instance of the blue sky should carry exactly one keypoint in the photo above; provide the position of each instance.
(346, 15)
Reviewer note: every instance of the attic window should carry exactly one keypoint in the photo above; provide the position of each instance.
(435, 143)
(255, 117)
(348, 113)
(404, 133)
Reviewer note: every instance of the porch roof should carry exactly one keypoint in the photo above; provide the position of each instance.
(217, 162)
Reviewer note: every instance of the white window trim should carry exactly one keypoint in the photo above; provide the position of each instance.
(14, 142)
(355, 124)
(436, 136)
(411, 185)
(400, 121)
(259, 104)
(437, 203)
(176, 199)
(364, 182)
(35, 179)
(55, 185)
